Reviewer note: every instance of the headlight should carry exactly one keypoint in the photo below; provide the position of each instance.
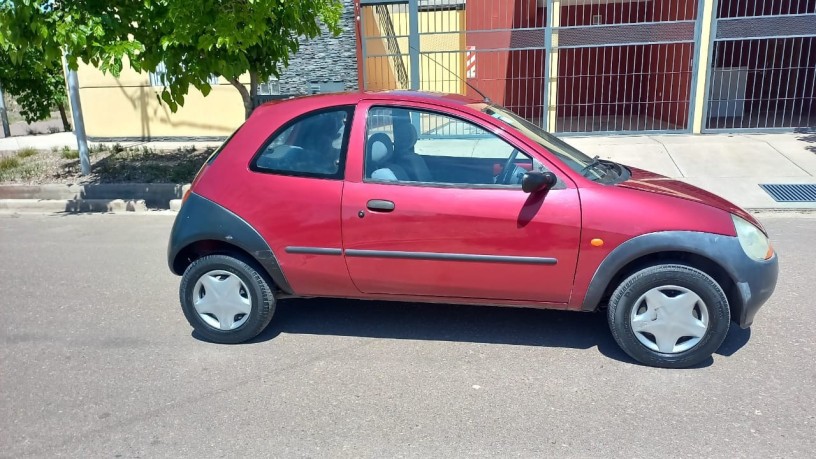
(753, 241)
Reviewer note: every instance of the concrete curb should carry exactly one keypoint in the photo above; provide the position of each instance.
(117, 197)
(72, 205)
(777, 210)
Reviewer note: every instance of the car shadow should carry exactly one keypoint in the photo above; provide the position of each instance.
(457, 323)
(734, 341)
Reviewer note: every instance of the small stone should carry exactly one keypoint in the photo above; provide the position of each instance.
(137, 205)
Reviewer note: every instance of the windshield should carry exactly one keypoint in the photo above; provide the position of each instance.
(571, 156)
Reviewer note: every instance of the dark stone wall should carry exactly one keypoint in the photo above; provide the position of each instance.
(325, 60)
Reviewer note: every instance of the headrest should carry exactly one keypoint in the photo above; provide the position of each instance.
(405, 135)
(379, 147)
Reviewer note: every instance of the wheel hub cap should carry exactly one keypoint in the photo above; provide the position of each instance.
(669, 319)
(222, 300)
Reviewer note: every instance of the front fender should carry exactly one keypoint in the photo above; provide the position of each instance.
(755, 280)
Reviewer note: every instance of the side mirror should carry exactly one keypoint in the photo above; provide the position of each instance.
(533, 182)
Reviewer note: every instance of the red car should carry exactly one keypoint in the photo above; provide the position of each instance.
(412, 196)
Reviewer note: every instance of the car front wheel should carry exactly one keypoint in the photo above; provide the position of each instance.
(226, 299)
(670, 316)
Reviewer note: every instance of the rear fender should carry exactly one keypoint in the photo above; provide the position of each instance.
(203, 220)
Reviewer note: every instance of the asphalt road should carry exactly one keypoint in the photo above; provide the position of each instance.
(96, 360)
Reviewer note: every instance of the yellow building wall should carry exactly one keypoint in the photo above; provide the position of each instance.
(379, 69)
(129, 107)
(446, 49)
(442, 61)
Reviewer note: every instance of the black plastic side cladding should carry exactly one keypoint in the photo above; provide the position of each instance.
(755, 280)
(203, 220)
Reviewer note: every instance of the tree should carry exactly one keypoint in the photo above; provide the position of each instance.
(36, 84)
(192, 38)
(231, 38)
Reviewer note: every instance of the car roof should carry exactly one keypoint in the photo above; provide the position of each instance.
(349, 98)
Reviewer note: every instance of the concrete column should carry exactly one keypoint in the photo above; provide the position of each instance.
(705, 51)
(551, 71)
(79, 122)
(413, 42)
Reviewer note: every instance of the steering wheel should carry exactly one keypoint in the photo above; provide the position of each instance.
(509, 167)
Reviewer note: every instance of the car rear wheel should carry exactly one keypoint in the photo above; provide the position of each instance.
(226, 299)
(670, 316)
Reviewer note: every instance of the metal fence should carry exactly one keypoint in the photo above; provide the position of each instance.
(625, 66)
(763, 73)
(442, 45)
(606, 66)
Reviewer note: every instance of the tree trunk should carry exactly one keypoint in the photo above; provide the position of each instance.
(253, 85)
(66, 126)
(4, 115)
(244, 96)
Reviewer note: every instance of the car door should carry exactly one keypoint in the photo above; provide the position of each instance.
(423, 214)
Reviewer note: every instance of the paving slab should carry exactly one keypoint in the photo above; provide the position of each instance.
(799, 150)
(651, 157)
(691, 139)
(782, 136)
(733, 159)
(590, 141)
(748, 194)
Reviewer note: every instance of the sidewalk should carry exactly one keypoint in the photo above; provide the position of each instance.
(730, 165)
(67, 139)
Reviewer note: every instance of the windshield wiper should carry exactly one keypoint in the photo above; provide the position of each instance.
(596, 161)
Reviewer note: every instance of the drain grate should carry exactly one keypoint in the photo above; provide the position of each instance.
(791, 193)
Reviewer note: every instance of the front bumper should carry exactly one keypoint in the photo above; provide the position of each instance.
(755, 281)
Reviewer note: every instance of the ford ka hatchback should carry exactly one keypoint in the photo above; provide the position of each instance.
(411, 196)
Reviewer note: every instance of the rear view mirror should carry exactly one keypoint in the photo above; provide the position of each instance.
(533, 182)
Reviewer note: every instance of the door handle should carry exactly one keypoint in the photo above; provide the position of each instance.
(380, 205)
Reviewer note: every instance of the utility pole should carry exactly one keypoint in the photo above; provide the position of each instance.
(79, 123)
(6, 131)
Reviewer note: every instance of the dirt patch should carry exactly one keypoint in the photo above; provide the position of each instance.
(114, 165)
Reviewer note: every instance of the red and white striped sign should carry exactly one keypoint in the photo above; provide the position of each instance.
(470, 62)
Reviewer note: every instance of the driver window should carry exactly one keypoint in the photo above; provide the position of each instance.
(406, 145)
(311, 146)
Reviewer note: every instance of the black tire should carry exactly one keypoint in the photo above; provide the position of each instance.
(261, 298)
(630, 290)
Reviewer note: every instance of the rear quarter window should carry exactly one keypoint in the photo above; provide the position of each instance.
(312, 145)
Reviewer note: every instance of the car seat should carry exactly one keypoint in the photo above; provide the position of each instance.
(379, 156)
(405, 138)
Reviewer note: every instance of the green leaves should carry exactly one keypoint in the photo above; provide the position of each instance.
(169, 100)
(35, 82)
(193, 38)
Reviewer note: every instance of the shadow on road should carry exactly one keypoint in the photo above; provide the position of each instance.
(734, 341)
(472, 324)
